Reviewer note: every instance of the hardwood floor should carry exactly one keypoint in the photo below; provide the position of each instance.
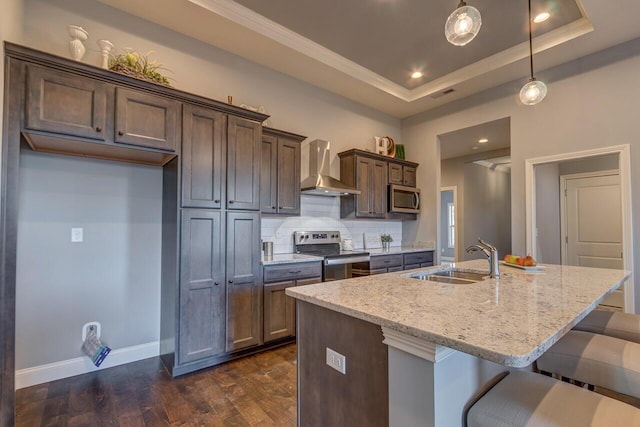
(257, 390)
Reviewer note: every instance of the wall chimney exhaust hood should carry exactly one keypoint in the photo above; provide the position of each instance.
(319, 182)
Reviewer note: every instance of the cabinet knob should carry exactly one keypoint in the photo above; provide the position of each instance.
(216, 283)
(98, 129)
(230, 281)
(120, 133)
(273, 207)
(280, 207)
(230, 202)
(216, 201)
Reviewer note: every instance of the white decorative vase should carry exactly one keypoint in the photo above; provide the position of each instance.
(76, 47)
(105, 49)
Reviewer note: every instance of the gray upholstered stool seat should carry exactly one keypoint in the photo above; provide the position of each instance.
(528, 399)
(612, 323)
(595, 359)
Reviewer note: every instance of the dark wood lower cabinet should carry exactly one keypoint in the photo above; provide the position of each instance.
(244, 316)
(244, 289)
(279, 311)
(202, 287)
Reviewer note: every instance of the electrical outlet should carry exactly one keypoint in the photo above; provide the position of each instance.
(91, 326)
(337, 361)
(76, 235)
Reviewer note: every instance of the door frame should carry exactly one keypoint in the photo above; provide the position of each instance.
(563, 203)
(624, 166)
(456, 256)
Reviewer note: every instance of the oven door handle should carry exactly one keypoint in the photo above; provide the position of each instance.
(349, 260)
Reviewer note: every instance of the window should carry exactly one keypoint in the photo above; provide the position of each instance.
(451, 217)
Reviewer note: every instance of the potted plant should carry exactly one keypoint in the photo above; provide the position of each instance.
(386, 241)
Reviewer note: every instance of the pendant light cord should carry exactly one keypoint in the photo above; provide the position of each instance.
(530, 43)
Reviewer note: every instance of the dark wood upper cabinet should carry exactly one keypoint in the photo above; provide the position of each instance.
(64, 103)
(146, 120)
(402, 174)
(395, 174)
(288, 177)
(203, 157)
(244, 152)
(370, 177)
(280, 181)
(269, 174)
(244, 289)
(371, 174)
(202, 286)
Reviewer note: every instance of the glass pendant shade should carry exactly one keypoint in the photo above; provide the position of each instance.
(463, 25)
(533, 92)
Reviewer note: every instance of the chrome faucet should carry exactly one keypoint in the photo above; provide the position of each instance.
(491, 253)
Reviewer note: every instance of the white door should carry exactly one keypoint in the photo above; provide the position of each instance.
(592, 225)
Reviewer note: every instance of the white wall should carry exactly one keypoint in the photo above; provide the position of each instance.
(97, 281)
(548, 213)
(591, 103)
(483, 202)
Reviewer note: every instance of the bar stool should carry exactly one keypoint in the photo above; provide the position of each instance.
(600, 360)
(529, 399)
(612, 323)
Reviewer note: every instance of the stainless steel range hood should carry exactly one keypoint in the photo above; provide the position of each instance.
(319, 182)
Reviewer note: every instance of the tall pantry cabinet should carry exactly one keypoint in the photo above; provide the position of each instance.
(220, 290)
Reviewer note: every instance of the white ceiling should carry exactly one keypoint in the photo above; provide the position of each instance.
(344, 49)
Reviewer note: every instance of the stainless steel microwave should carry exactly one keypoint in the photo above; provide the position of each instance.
(404, 199)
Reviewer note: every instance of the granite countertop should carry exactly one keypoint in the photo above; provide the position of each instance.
(398, 250)
(289, 259)
(510, 321)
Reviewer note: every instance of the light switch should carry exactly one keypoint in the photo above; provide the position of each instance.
(76, 235)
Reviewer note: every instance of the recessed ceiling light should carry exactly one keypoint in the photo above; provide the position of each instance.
(483, 141)
(475, 147)
(416, 75)
(541, 17)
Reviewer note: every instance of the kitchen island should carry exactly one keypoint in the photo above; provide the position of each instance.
(419, 352)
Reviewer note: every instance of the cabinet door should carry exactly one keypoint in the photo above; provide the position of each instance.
(203, 164)
(395, 174)
(244, 290)
(288, 177)
(378, 191)
(202, 287)
(310, 281)
(364, 176)
(243, 164)
(269, 175)
(63, 103)
(146, 120)
(394, 269)
(411, 266)
(409, 174)
(279, 311)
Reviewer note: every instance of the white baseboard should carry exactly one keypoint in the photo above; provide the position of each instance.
(82, 365)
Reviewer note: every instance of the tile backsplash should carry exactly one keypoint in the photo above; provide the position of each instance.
(323, 213)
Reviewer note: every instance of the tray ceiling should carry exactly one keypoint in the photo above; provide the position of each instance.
(393, 38)
(365, 50)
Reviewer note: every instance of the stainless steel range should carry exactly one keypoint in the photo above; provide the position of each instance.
(338, 264)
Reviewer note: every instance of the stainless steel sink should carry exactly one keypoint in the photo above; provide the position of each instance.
(451, 276)
(461, 275)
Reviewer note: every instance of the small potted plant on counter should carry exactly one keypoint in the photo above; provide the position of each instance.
(386, 241)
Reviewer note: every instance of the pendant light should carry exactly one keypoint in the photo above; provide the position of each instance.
(534, 91)
(463, 25)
